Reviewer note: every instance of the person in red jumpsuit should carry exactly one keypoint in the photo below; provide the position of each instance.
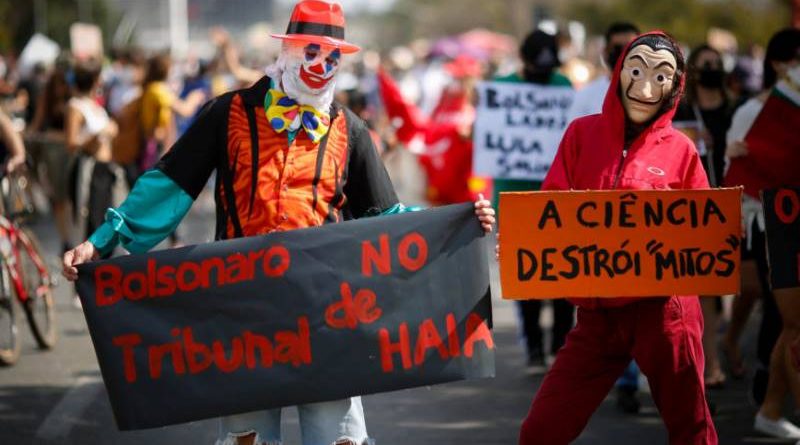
(630, 145)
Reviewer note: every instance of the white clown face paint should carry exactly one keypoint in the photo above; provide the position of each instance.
(647, 80)
(307, 72)
(319, 66)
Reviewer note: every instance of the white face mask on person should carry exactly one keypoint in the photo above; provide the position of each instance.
(793, 75)
(307, 73)
(646, 81)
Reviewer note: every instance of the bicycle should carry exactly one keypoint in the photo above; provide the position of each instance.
(24, 279)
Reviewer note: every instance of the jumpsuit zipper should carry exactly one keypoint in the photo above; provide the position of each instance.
(619, 170)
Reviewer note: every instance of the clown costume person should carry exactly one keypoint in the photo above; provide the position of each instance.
(630, 145)
(287, 157)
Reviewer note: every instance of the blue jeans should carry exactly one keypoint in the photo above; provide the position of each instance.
(320, 424)
(630, 377)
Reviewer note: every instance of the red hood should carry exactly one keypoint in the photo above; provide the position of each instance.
(614, 112)
(591, 157)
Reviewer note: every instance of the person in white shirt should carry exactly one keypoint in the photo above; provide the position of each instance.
(774, 377)
(97, 182)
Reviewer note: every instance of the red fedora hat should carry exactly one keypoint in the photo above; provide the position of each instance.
(318, 21)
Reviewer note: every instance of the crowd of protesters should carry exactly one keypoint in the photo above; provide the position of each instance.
(93, 126)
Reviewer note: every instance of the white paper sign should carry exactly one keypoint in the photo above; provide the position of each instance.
(86, 41)
(39, 49)
(518, 129)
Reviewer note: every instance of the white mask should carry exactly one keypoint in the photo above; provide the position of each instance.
(794, 76)
(646, 80)
(307, 73)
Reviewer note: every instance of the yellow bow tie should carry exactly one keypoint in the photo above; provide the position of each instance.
(282, 111)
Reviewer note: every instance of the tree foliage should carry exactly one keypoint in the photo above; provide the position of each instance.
(410, 19)
(751, 21)
(687, 20)
(18, 24)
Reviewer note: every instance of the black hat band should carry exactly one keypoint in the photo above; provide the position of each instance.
(316, 29)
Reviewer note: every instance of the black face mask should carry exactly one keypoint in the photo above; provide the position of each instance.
(537, 75)
(613, 55)
(710, 77)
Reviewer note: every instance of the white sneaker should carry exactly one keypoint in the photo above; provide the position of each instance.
(780, 428)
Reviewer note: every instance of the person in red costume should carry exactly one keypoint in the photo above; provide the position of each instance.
(446, 134)
(630, 145)
(448, 156)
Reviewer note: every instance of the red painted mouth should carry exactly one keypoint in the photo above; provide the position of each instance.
(312, 80)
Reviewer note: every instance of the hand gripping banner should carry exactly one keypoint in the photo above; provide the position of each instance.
(318, 314)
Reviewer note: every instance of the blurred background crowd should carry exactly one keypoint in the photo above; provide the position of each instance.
(96, 90)
(413, 80)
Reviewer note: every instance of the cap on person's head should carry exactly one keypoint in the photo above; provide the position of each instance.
(464, 66)
(540, 49)
(318, 21)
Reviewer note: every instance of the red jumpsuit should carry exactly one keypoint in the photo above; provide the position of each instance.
(663, 335)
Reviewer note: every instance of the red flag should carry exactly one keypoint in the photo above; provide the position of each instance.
(447, 153)
(413, 121)
(773, 148)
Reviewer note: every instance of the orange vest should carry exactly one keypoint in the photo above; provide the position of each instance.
(277, 185)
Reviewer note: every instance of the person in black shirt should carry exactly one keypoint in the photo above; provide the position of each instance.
(706, 109)
(705, 114)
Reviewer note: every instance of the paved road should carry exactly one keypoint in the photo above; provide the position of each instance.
(58, 396)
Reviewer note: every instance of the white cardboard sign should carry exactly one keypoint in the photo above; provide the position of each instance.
(518, 128)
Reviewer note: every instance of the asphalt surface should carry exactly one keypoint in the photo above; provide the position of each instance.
(58, 396)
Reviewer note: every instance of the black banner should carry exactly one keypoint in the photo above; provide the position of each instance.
(325, 313)
(782, 216)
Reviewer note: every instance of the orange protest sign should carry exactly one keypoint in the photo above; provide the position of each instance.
(619, 243)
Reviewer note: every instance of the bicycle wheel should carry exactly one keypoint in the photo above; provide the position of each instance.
(9, 334)
(39, 307)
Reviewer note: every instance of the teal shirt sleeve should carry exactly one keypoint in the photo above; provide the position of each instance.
(400, 208)
(152, 211)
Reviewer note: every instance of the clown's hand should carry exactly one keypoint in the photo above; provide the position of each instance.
(485, 213)
(83, 253)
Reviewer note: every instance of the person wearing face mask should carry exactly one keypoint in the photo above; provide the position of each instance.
(706, 105)
(286, 157)
(631, 145)
(589, 99)
(780, 322)
(539, 56)
(706, 114)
